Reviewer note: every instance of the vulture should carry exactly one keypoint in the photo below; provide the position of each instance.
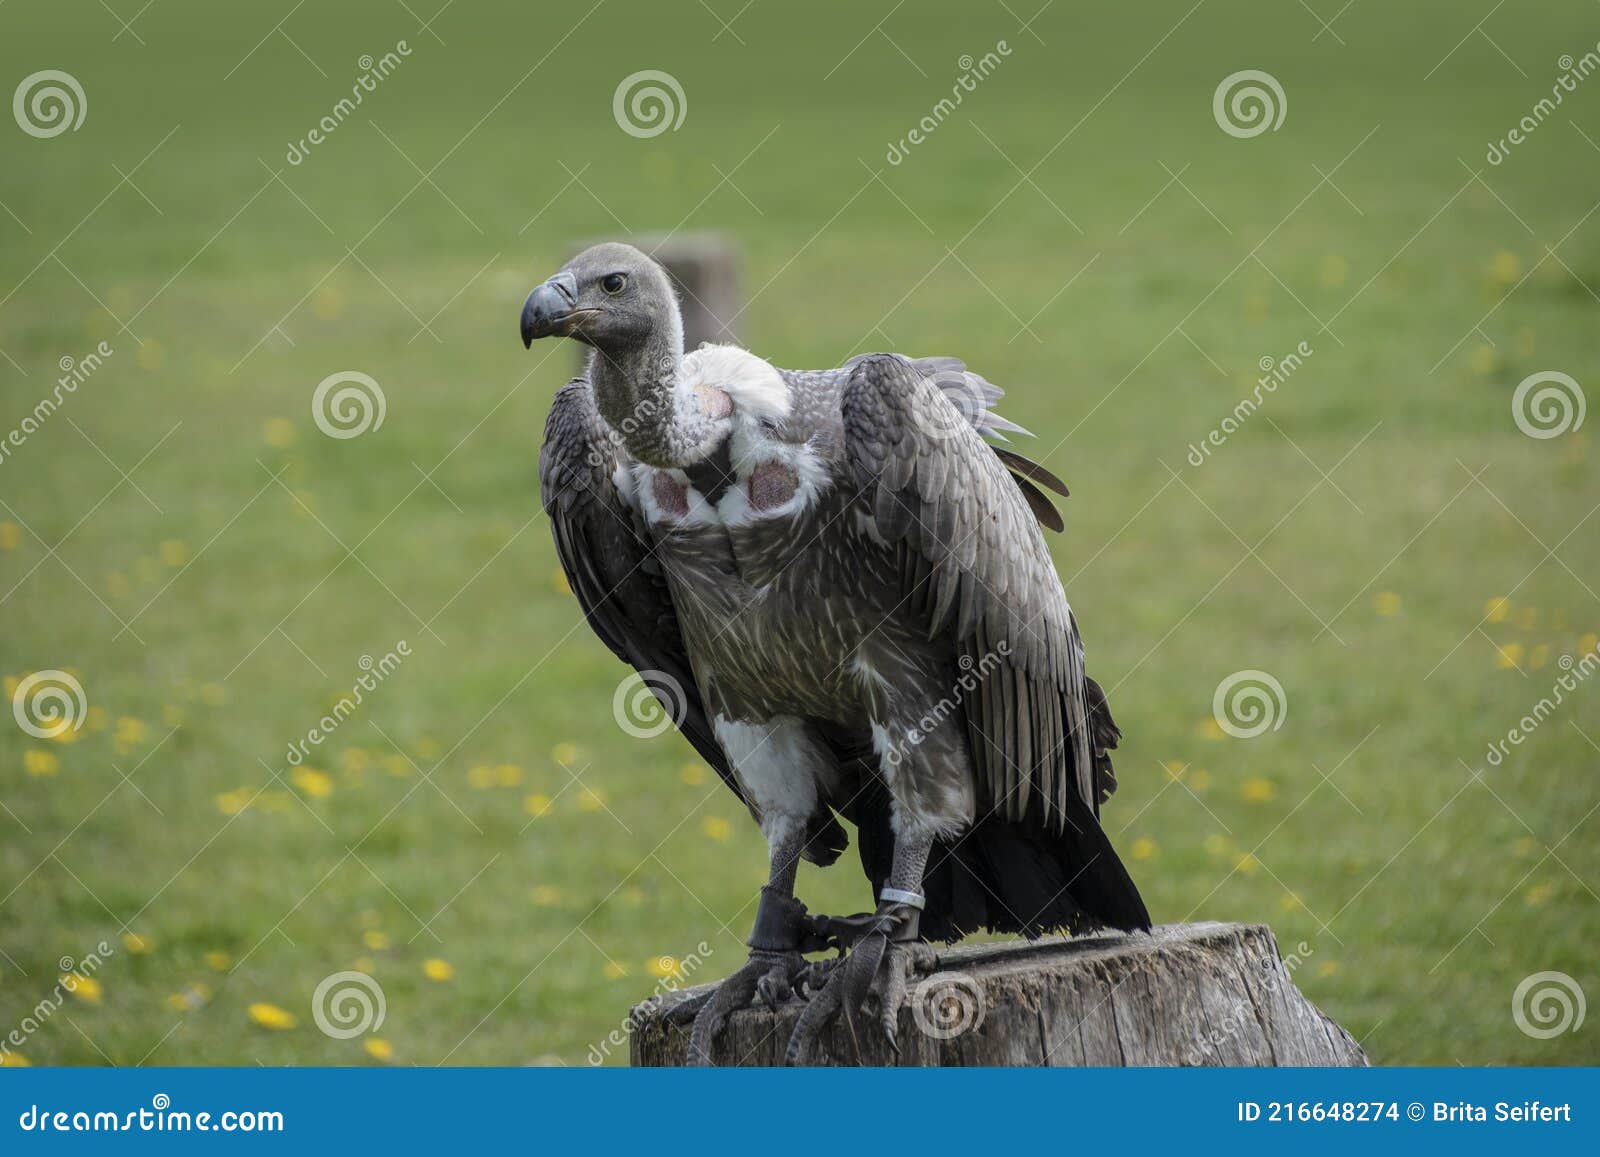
(836, 583)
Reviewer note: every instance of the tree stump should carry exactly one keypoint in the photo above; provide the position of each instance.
(1184, 994)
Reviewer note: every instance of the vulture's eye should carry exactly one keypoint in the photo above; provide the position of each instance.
(613, 282)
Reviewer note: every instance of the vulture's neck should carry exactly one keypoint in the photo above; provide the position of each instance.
(660, 418)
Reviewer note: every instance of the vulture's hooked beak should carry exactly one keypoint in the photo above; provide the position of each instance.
(551, 310)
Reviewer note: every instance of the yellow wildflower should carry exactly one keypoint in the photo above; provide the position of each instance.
(1142, 848)
(277, 432)
(480, 777)
(438, 970)
(174, 552)
(536, 804)
(662, 967)
(1258, 790)
(218, 961)
(564, 753)
(85, 988)
(1538, 894)
(507, 774)
(191, 998)
(716, 828)
(1209, 728)
(1506, 267)
(692, 774)
(614, 971)
(136, 944)
(1328, 968)
(375, 940)
(546, 895)
(213, 694)
(590, 800)
(1497, 609)
(10, 535)
(314, 783)
(231, 803)
(40, 763)
(130, 733)
(378, 1049)
(1200, 779)
(270, 1016)
(1509, 655)
(1386, 603)
(355, 759)
(9, 1059)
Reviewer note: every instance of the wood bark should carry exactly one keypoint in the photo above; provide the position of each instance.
(1184, 994)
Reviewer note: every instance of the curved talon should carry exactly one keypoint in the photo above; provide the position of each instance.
(877, 966)
(766, 974)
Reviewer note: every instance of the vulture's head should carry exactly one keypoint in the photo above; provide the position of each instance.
(610, 296)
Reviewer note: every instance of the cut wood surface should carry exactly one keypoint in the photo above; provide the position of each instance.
(1184, 994)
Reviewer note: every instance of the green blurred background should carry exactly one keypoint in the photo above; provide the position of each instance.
(481, 837)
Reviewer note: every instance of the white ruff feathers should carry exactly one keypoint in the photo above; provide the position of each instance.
(755, 387)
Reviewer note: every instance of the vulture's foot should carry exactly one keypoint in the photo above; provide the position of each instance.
(885, 952)
(768, 976)
(777, 966)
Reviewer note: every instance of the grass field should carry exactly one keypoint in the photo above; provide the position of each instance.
(480, 837)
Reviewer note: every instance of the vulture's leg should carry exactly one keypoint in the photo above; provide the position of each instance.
(781, 933)
(887, 949)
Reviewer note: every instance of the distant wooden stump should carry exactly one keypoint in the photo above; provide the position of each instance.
(704, 267)
(1186, 994)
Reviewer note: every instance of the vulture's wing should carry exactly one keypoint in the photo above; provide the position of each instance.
(610, 566)
(973, 560)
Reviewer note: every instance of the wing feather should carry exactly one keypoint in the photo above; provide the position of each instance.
(967, 528)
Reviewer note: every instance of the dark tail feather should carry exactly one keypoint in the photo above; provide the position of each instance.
(1010, 876)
